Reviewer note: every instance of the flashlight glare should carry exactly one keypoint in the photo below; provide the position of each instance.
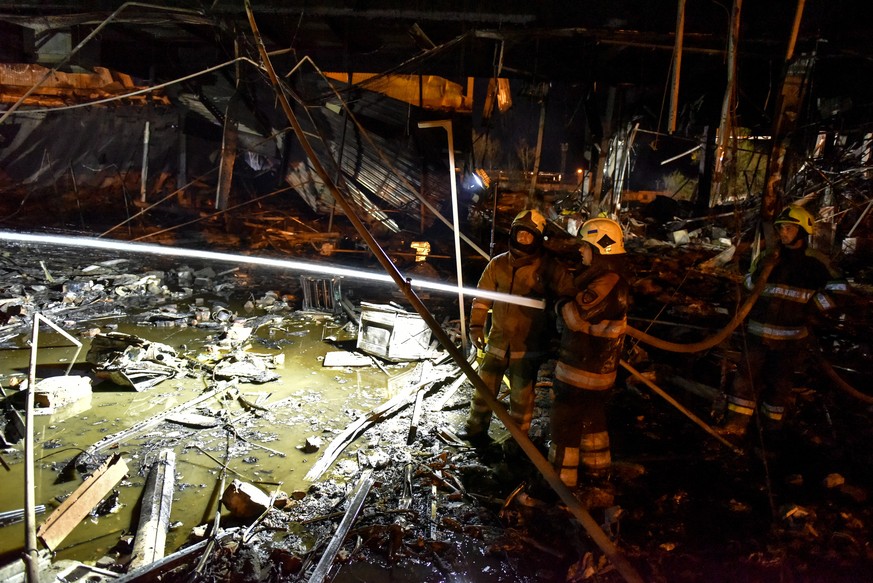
(287, 264)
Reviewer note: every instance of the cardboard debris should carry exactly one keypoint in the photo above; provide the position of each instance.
(245, 500)
(344, 358)
(132, 362)
(246, 367)
(195, 420)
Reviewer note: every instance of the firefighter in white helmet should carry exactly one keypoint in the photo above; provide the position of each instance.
(594, 324)
(777, 324)
(518, 337)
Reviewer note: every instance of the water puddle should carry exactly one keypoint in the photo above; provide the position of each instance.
(315, 400)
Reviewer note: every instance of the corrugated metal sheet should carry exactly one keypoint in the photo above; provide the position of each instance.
(394, 178)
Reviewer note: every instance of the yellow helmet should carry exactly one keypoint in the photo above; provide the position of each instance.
(796, 215)
(603, 234)
(532, 219)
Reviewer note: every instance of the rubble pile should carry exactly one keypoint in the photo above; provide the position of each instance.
(394, 494)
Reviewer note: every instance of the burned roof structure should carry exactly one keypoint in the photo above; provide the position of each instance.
(184, 88)
(298, 134)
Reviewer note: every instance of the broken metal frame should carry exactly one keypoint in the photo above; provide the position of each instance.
(216, 526)
(361, 490)
(30, 550)
(385, 160)
(622, 565)
(446, 124)
(154, 570)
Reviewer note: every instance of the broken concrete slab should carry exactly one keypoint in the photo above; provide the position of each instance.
(53, 393)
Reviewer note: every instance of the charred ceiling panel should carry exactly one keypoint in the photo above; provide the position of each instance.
(61, 129)
(92, 146)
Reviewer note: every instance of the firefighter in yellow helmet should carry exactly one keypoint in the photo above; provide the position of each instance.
(777, 325)
(518, 338)
(594, 324)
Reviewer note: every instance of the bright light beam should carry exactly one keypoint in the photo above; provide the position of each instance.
(289, 264)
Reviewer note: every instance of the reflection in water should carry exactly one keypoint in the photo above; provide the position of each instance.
(262, 446)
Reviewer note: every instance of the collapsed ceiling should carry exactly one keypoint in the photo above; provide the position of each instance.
(207, 57)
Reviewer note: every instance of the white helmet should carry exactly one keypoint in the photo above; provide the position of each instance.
(603, 234)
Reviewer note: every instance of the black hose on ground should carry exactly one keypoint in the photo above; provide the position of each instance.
(738, 318)
(834, 376)
(725, 332)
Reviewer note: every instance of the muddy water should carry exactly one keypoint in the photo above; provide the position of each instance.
(324, 401)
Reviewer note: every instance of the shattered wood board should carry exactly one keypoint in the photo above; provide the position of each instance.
(344, 358)
(71, 512)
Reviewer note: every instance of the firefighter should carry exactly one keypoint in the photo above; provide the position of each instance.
(594, 324)
(777, 325)
(518, 337)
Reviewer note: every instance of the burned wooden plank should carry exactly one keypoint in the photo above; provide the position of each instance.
(153, 571)
(451, 390)
(361, 490)
(69, 514)
(154, 517)
(416, 416)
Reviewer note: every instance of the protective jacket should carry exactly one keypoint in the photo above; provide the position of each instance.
(797, 281)
(519, 331)
(778, 325)
(595, 321)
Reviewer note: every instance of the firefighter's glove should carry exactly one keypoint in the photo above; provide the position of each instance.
(477, 335)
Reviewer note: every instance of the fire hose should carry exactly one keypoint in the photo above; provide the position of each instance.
(829, 371)
(723, 334)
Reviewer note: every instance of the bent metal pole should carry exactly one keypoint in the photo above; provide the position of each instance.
(573, 505)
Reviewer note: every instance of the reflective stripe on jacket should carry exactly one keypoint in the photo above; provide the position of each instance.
(595, 321)
(519, 330)
(796, 283)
